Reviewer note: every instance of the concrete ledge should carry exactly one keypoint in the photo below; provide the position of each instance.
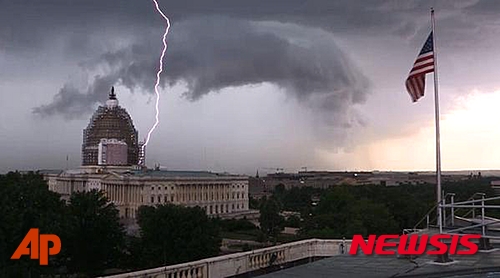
(256, 261)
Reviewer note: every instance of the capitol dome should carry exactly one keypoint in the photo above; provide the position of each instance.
(110, 122)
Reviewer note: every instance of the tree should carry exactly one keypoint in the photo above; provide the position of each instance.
(293, 221)
(342, 214)
(95, 238)
(25, 203)
(173, 234)
(233, 225)
(271, 222)
(375, 218)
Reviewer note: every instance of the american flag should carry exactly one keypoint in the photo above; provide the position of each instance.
(415, 83)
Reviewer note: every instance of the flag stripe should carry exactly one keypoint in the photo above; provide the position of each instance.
(425, 70)
(415, 87)
(423, 62)
(421, 68)
(425, 56)
(415, 83)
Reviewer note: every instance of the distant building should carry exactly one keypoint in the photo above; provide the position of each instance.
(129, 189)
(110, 122)
(113, 161)
(495, 185)
(264, 186)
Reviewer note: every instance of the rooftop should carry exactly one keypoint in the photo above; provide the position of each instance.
(482, 264)
(169, 173)
(130, 172)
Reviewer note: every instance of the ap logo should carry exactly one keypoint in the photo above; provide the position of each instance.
(38, 246)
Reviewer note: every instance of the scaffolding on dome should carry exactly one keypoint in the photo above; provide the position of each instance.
(110, 121)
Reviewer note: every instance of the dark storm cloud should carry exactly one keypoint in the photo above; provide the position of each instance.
(209, 54)
(28, 23)
(213, 53)
(72, 103)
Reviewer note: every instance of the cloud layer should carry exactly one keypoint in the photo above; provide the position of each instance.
(212, 53)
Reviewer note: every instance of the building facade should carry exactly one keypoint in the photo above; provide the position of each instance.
(217, 194)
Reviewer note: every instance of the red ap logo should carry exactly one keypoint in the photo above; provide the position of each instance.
(38, 246)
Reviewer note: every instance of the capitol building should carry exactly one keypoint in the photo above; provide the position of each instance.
(113, 160)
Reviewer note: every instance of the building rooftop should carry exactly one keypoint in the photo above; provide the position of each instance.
(169, 173)
(129, 172)
(482, 264)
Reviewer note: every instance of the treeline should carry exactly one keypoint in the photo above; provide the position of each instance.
(345, 210)
(94, 242)
(93, 239)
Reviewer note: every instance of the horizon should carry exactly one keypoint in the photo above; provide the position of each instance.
(484, 172)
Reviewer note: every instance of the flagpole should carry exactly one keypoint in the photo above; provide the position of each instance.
(438, 141)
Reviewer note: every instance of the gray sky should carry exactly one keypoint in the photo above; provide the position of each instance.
(251, 85)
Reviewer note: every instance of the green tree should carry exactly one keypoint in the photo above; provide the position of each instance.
(253, 203)
(95, 238)
(342, 214)
(25, 203)
(374, 217)
(233, 225)
(293, 221)
(271, 222)
(173, 234)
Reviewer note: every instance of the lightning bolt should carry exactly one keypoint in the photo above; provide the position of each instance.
(158, 78)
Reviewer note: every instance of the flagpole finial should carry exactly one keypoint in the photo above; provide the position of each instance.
(432, 9)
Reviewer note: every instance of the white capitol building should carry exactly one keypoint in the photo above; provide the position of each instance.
(110, 157)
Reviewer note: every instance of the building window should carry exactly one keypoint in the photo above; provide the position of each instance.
(237, 206)
(152, 199)
(152, 188)
(172, 198)
(159, 198)
(216, 209)
(166, 199)
(210, 209)
(232, 207)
